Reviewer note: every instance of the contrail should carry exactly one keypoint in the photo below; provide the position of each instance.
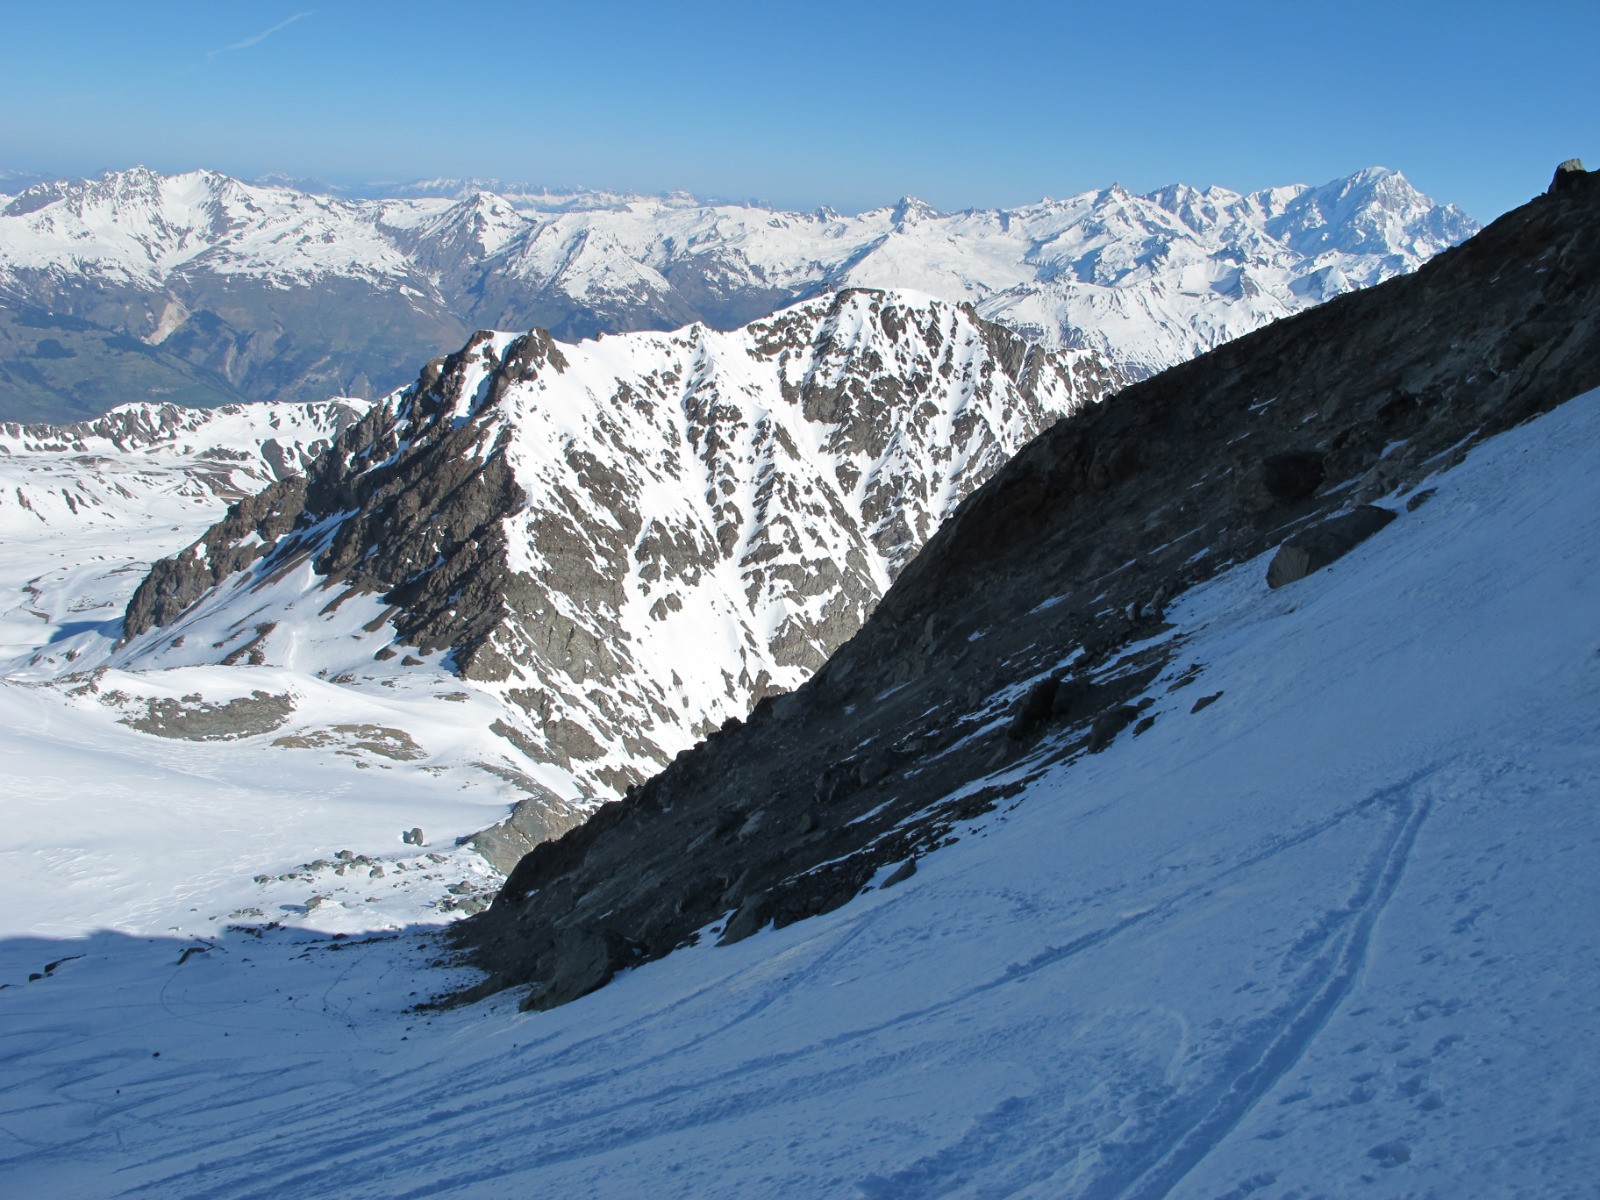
(260, 37)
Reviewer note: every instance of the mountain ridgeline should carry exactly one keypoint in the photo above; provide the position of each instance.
(627, 540)
(198, 289)
(1030, 628)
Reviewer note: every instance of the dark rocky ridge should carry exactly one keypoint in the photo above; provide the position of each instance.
(433, 503)
(964, 667)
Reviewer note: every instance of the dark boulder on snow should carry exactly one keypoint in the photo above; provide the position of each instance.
(1032, 708)
(1110, 723)
(901, 873)
(1326, 542)
(585, 963)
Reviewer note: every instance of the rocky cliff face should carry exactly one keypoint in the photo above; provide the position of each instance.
(1030, 628)
(628, 540)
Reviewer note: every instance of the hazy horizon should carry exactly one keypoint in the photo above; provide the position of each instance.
(851, 106)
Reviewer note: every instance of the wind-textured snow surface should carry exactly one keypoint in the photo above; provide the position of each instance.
(1332, 934)
(1146, 280)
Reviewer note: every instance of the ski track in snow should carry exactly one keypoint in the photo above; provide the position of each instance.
(1334, 934)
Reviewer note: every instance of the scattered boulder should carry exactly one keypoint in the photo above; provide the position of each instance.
(1074, 700)
(413, 837)
(901, 873)
(1033, 708)
(876, 766)
(1108, 724)
(753, 915)
(1326, 542)
(837, 781)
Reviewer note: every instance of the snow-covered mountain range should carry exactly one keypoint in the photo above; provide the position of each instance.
(1206, 811)
(198, 287)
(628, 540)
(136, 455)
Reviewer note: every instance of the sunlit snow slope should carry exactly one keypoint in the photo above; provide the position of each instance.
(1333, 934)
(151, 802)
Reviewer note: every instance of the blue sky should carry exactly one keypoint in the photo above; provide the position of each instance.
(820, 102)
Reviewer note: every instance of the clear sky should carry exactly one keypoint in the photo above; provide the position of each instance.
(851, 103)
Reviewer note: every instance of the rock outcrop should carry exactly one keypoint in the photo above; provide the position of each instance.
(1029, 627)
(1326, 542)
(1568, 174)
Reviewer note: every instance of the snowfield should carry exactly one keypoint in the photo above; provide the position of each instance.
(1333, 934)
(107, 826)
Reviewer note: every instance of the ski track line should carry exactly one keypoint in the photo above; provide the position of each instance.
(1022, 1131)
(393, 1139)
(1327, 987)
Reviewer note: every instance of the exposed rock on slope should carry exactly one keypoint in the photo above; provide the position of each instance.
(632, 539)
(1030, 625)
(200, 288)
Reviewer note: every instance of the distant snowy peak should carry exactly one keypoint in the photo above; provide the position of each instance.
(633, 538)
(1375, 211)
(1148, 280)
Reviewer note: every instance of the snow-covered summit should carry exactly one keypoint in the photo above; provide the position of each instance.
(627, 539)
